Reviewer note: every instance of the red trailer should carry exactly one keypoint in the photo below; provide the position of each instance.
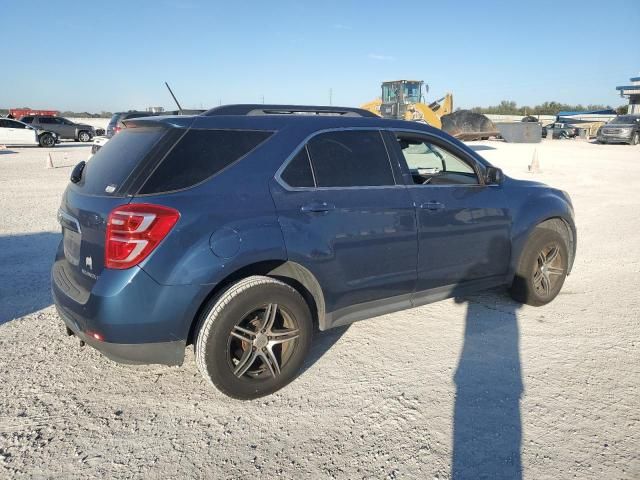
(18, 113)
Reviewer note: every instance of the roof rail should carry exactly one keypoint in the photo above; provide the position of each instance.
(260, 109)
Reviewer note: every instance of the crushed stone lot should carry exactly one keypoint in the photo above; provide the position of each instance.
(474, 388)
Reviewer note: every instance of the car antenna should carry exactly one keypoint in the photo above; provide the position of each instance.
(174, 98)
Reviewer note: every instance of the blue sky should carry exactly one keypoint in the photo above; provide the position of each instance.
(114, 55)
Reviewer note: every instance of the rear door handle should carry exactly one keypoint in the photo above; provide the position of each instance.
(317, 207)
(432, 206)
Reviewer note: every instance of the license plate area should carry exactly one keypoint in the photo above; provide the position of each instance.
(71, 242)
(71, 237)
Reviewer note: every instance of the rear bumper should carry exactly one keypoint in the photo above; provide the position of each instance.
(164, 353)
(135, 319)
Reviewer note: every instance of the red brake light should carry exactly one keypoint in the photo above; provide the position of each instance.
(116, 129)
(134, 230)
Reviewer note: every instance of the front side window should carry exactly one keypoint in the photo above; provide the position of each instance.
(431, 164)
(353, 158)
(27, 119)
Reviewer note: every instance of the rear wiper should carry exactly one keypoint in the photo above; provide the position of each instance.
(76, 173)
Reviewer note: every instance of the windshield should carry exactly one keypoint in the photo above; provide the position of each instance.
(624, 119)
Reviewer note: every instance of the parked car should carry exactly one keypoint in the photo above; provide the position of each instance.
(14, 132)
(239, 230)
(64, 128)
(98, 143)
(622, 129)
(117, 121)
(560, 130)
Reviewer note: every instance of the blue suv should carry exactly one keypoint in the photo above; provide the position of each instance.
(240, 230)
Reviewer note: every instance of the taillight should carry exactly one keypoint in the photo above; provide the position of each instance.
(116, 129)
(134, 230)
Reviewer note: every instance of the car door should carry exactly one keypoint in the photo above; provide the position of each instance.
(3, 132)
(51, 124)
(346, 219)
(463, 225)
(18, 133)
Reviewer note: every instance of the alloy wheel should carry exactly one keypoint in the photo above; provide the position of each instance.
(549, 270)
(262, 343)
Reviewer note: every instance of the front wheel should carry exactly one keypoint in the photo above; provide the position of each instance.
(253, 339)
(542, 269)
(84, 137)
(635, 139)
(46, 140)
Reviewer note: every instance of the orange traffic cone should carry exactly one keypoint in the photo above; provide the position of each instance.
(534, 166)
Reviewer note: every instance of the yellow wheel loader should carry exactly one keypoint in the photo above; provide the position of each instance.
(405, 100)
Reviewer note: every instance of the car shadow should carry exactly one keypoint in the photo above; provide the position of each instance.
(321, 344)
(25, 263)
(487, 425)
(3, 151)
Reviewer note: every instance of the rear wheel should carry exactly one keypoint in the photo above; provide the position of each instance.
(542, 270)
(635, 139)
(84, 136)
(46, 140)
(253, 338)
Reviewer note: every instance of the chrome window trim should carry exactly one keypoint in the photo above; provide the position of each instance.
(278, 175)
(64, 215)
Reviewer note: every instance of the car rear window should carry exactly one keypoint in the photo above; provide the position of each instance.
(199, 155)
(108, 169)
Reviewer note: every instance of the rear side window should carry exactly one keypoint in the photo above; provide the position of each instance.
(298, 172)
(111, 165)
(47, 120)
(352, 158)
(199, 155)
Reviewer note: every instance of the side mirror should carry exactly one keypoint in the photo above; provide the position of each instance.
(493, 176)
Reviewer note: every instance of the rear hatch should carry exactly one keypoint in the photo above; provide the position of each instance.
(108, 180)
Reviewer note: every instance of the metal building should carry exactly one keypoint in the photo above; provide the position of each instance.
(633, 93)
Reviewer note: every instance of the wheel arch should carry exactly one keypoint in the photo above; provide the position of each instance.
(291, 273)
(556, 222)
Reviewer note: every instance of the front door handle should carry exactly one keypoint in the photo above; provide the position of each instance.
(432, 205)
(317, 207)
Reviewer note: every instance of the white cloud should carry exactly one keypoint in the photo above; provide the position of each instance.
(384, 58)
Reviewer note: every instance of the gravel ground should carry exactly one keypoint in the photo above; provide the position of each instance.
(475, 388)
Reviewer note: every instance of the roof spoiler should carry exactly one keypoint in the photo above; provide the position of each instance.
(260, 109)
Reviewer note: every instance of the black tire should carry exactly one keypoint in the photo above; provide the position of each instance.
(235, 349)
(537, 282)
(84, 136)
(635, 139)
(46, 140)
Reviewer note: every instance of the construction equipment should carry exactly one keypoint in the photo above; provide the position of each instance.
(405, 100)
